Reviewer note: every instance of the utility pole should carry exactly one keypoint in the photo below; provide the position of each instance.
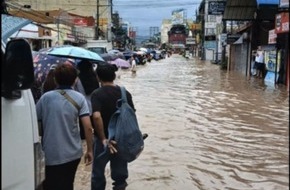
(224, 45)
(109, 38)
(98, 15)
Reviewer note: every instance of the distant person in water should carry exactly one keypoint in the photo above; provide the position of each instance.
(133, 64)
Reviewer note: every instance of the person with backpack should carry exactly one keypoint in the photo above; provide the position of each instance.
(104, 101)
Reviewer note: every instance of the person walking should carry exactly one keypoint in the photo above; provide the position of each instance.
(104, 101)
(133, 64)
(86, 84)
(61, 141)
(260, 65)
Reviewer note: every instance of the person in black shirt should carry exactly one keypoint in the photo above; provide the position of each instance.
(104, 101)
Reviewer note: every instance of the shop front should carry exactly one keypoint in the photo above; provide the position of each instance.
(282, 31)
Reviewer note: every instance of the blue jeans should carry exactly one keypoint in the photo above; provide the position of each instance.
(119, 168)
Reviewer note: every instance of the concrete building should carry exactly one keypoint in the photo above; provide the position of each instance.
(101, 9)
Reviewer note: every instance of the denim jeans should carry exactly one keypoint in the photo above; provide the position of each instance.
(118, 167)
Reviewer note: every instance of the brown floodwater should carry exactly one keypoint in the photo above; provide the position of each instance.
(208, 129)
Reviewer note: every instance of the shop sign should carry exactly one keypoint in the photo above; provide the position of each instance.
(223, 37)
(190, 41)
(210, 25)
(209, 38)
(272, 37)
(282, 23)
(216, 7)
(231, 38)
(80, 22)
(284, 4)
(195, 26)
(209, 44)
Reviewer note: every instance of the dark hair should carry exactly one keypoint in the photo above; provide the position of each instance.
(87, 76)
(106, 72)
(49, 83)
(65, 74)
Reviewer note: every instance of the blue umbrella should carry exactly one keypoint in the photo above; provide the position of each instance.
(11, 24)
(75, 53)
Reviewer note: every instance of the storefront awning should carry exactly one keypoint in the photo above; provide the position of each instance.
(243, 10)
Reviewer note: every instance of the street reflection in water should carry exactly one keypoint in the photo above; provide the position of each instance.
(208, 129)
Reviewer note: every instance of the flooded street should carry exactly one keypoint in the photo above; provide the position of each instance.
(208, 129)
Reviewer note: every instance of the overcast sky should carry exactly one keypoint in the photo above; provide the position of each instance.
(143, 14)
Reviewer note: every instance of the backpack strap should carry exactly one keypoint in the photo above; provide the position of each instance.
(123, 93)
(62, 92)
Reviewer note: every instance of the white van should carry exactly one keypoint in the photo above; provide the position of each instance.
(98, 46)
(22, 157)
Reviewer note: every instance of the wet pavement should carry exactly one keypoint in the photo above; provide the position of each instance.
(208, 129)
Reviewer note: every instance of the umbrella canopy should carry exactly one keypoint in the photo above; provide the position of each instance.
(114, 51)
(121, 63)
(117, 52)
(44, 62)
(10, 25)
(75, 52)
(140, 53)
(109, 57)
(143, 49)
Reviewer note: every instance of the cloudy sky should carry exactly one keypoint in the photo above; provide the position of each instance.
(143, 14)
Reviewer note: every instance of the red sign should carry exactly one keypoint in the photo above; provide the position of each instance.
(282, 23)
(80, 22)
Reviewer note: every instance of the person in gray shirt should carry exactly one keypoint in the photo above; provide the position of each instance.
(61, 140)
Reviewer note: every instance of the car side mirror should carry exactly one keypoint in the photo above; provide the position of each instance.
(17, 68)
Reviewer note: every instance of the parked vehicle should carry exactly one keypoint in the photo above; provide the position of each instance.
(21, 152)
(98, 46)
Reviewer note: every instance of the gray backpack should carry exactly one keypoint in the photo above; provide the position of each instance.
(124, 129)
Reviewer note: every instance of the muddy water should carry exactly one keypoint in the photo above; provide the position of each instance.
(208, 129)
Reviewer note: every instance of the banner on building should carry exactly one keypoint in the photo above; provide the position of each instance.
(272, 37)
(177, 16)
(282, 23)
(284, 4)
(80, 22)
(216, 7)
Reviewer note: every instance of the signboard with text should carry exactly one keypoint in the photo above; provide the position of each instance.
(231, 38)
(282, 23)
(177, 16)
(190, 41)
(272, 37)
(216, 7)
(284, 4)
